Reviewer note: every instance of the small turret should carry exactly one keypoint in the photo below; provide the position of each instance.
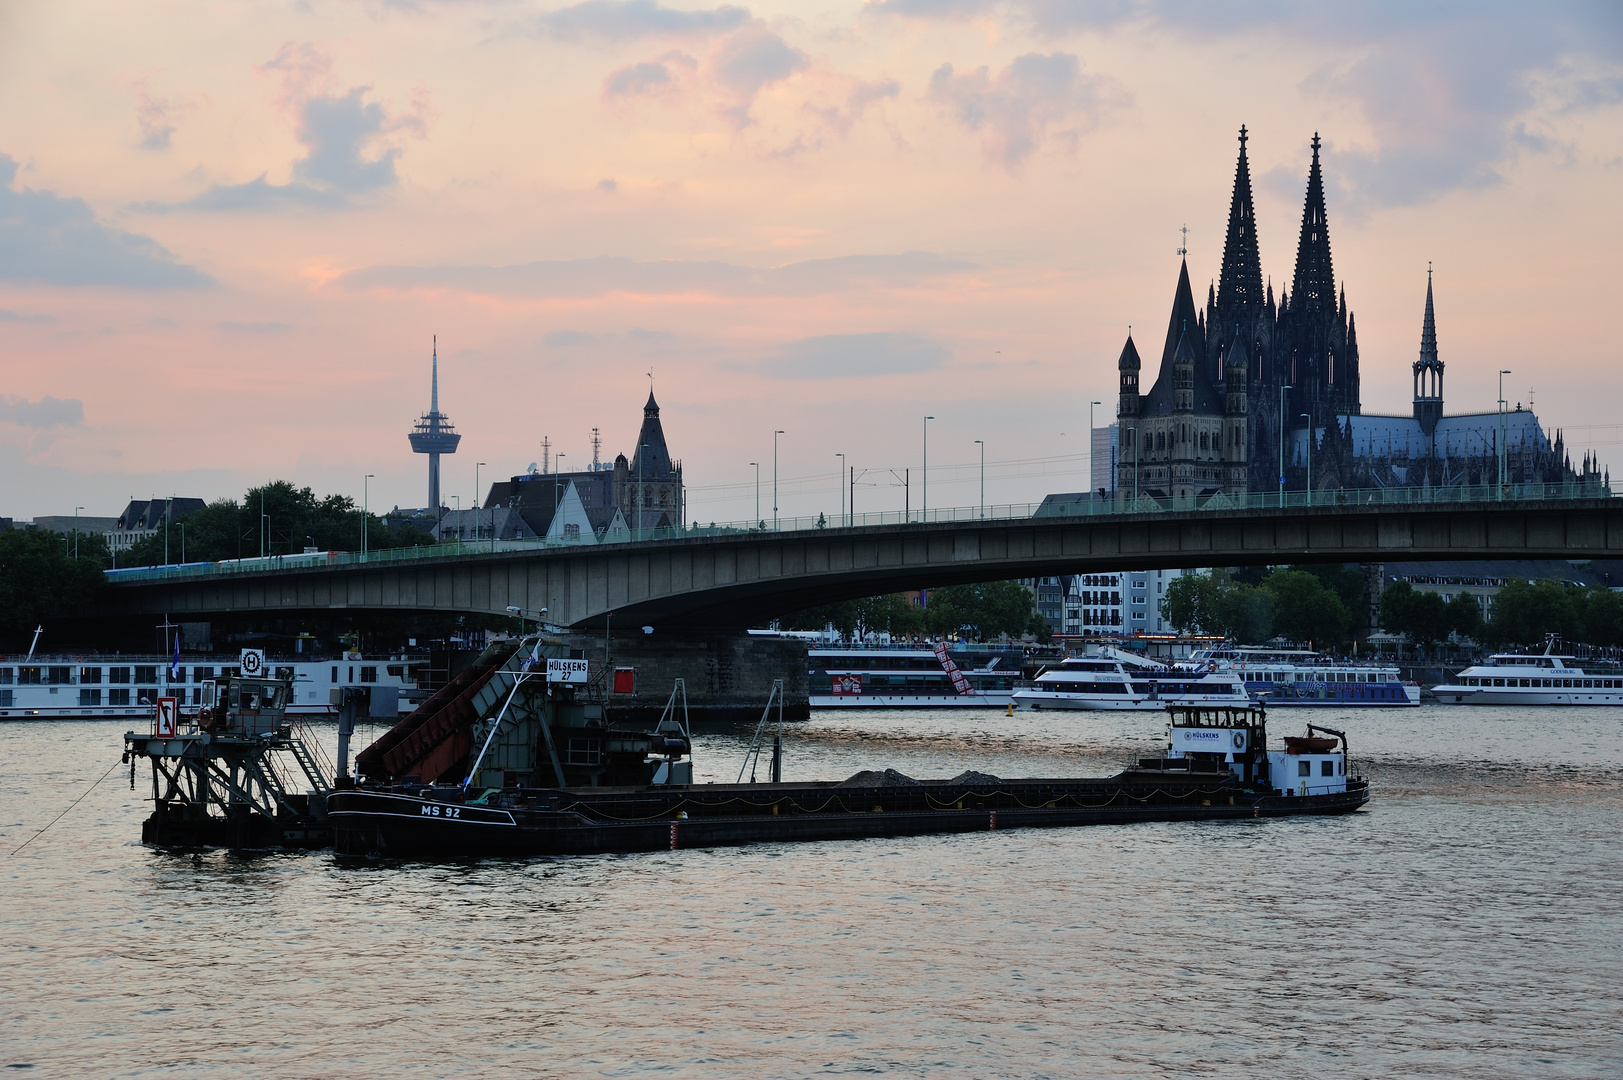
(1128, 365)
(1428, 372)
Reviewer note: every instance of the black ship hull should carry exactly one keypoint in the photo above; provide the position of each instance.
(590, 821)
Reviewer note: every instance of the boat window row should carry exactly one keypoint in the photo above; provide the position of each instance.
(1322, 676)
(1549, 684)
(154, 674)
(1326, 768)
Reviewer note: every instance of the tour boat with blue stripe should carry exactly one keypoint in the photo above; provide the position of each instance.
(1301, 677)
(1115, 680)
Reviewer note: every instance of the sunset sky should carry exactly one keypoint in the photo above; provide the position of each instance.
(228, 232)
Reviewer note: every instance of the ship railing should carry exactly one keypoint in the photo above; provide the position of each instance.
(1119, 504)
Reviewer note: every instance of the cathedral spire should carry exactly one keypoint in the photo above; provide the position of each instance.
(1428, 329)
(1315, 283)
(1240, 283)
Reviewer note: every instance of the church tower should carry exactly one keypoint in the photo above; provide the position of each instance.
(1428, 372)
(1239, 310)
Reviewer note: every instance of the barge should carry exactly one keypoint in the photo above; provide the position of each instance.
(538, 768)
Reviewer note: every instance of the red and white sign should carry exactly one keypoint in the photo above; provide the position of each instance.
(164, 722)
(847, 685)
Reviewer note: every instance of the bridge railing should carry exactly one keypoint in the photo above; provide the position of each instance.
(1081, 505)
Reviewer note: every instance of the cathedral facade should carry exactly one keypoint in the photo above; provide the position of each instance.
(1251, 393)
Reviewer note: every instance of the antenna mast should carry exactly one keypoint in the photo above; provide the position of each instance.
(546, 454)
(597, 446)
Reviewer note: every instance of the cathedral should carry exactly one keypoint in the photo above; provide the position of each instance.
(1252, 393)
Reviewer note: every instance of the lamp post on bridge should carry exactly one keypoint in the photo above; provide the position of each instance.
(982, 444)
(1134, 430)
(758, 521)
(1091, 404)
(924, 497)
(478, 505)
(365, 511)
(775, 435)
(1504, 465)
(76, 510)
(1309, 418)
(1282, 390)
(842, 487)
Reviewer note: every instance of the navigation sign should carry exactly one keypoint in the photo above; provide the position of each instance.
(566, 671)
(163, 718)
(252, 663)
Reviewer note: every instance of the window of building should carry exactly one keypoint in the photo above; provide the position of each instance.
(145, 676)
(571, 532)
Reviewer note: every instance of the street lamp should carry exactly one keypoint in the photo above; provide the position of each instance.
(758, 521)
(458, 498)
(557, 471)
(982, 444)
(1091, 404)
(924, 497)
(76, 510)
(841, 488)
(365, 512)
(1134, 441)
(1309, 419)
(775, 435)
(1282, 390)
(1504, 469)
(478, 504)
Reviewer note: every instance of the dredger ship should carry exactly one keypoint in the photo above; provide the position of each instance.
(519, 755)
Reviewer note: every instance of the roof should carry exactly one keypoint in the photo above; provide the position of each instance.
(1183, 333)
(1466, 435)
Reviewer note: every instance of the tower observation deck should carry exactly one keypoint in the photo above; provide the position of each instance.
(434, 435)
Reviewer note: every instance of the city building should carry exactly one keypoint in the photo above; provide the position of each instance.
(639, 495)
(1113, 604)
(1250, 394)
(1483, 578)
(141, 518)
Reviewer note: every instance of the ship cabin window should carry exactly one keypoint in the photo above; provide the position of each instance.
(59, 676)
(1327, 768)
(369, 674)
(1498, 682)
(90, 697)
(397, 670)
(146, 676)
(202, 674)
(5, 676)
(1304, 768)
(89, 676)
(118, 697)
(335, 673)
(118, 674)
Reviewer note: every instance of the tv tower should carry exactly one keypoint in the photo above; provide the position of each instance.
(434, 435)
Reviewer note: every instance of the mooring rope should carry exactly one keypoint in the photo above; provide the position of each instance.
(71, 805)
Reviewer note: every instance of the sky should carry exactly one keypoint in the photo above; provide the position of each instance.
(229, 233)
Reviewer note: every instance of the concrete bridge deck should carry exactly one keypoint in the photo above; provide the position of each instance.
(740, 579)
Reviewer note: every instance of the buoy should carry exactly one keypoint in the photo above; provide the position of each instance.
(1011, 709)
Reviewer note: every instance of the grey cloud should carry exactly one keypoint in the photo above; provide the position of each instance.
(611, 274)
(48, 239)
(22, 317)
(1443, 86)
(857, 102)
(564, 339)
(158, 116)
(831, 356)
(255, 327)
(47, 412)
(337, 130)
(1025, 103)
(626, 20)
(648, 77)
(748, 62)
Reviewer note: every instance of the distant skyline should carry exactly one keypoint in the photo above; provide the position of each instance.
(228, 233)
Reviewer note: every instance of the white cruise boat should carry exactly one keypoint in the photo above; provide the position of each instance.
(96, 687)
(1548, 678)
(1114, 679)
(909, 677)
(1300, 677)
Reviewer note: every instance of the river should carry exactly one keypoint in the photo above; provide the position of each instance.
(1468, 923)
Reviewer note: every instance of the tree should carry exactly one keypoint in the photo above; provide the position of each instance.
(980, 612)
(41, 580)
(1525, 611)
(1306, 611)
(1192, 601)
(1465, 616)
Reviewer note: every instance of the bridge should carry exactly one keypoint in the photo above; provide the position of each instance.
(721, 577)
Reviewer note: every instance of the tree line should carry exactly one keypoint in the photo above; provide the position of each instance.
(981, 612)
(274, 519)
(1309, 604)
(1524, 613)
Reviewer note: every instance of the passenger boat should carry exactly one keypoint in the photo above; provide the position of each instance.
(94, 687)
(1302, 677)
(1116, 680)
(1547, 678)
(908, 677)
(507, 761)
